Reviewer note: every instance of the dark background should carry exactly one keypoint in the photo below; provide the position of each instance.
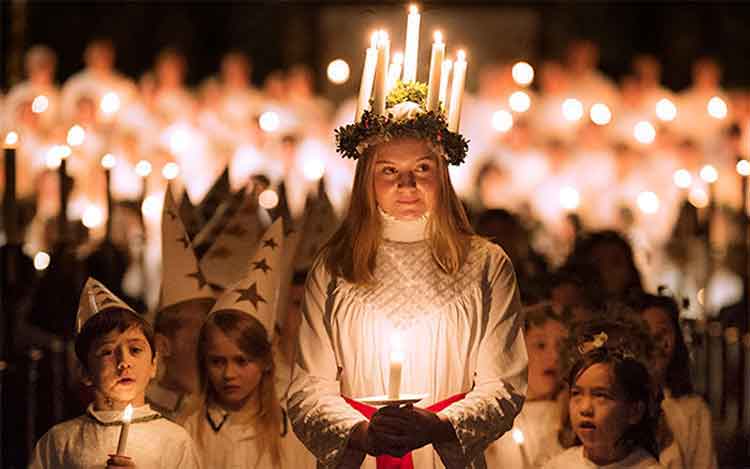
(278, 34)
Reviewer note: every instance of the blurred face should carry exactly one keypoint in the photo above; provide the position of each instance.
(235, 71)
(543, 343)
(233, 376)
(405, 179)
(664, 337)
(183, 343)
(120, 366)
(599, 413)
(169, 71)
(100, 56)
(613, 265)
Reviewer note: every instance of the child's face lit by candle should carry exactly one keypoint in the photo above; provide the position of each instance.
(120, 366)
(233, 376)
(599, 413)
(405, 179)
(543, 343)
(664, 338)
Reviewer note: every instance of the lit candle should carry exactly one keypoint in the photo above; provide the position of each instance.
(412, 45)
(381, 73)
(436, 69)
(396, 365)
(143, 169)
(445, 75)
(457, 91)
(10, 214)
(519, 438)
(108, 162)
(394, 72)
(127, 416)
(368, 77)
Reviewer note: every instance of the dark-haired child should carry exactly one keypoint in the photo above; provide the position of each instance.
(115, 347)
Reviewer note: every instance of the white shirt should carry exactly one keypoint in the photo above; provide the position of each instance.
(226, 444)
(573, 458)
(459, 333)
(85, 442)
(689, 420)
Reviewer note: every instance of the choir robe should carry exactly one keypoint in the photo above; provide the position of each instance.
(539, 423)
(87, 441)
(224, 443)
(573, 458)
(460, 333)
(692, 447)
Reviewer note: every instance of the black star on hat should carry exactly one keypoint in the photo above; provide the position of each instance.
(250, 294)
(270, 243)
(261, 265)
(171, 214)
(202, 282)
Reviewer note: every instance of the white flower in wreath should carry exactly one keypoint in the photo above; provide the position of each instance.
(405, 111)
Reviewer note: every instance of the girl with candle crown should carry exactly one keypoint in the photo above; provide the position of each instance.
(115, 347)
(406, 261)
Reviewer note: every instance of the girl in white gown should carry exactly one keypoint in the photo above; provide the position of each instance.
(611, 404)
(405, 263)
(688, 439)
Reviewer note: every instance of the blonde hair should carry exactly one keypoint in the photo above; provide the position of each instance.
(251, 337)
(351, 252)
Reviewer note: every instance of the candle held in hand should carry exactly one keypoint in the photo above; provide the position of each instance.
(396, 365)
(127, 416)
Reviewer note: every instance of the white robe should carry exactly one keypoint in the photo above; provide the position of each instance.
(573, 458)
(538, 422)
(233, 445)
(85, 442)
(693, 446)
(459, 333)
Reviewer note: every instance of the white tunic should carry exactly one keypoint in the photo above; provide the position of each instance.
(233, 445)
(573, 458)
(85, 442)
(538, 423)
(459, 333)
(690, 422)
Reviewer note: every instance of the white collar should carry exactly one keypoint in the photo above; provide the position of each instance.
(404, 231)
(114, 417)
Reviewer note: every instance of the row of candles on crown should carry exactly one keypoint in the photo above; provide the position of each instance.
(379, 75)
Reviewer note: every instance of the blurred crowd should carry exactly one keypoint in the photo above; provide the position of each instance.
(637, 181)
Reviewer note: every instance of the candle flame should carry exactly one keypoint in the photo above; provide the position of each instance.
(461, 56)
(438, 37)
(517, 436)
(127, 414)
(76, 136)
(398, 58)
(374, 39)
(11, 139)
(413, 10)
(143, 168)
(109, 161)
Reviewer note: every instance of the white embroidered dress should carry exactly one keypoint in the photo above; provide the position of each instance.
(459, 333)
(573, 458)
(87, 441)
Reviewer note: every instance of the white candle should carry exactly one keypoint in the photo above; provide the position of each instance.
(436, 70)
(457, 91)
(444, 77)
(394, 72)
(395, 367)
(412, 45)
(368, 77)
(381, 73)
(127, 416)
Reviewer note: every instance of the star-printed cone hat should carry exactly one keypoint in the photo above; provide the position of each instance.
(189, 215)
(96, 298)
(182, 279)
(319, 224)
(211, 230)
(218, 193)
(226, 260)
(257, 293)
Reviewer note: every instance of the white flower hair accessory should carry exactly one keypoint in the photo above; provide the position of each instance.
(405, 111)
(598, 341)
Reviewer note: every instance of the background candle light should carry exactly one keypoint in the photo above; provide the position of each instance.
(10, 209)
(523, 73)
(108, 162)
(127, 416)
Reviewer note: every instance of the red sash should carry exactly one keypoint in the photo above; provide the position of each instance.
(389, 462)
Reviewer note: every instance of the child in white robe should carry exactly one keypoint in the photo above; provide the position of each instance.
(611, 403)
(116, 348)
(241, 423)
(533, 439)
(688, 442)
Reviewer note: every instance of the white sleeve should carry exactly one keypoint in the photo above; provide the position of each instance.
(43, 455)
(320, 417)
(701, 454)
(184, 455)
(500, 376)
